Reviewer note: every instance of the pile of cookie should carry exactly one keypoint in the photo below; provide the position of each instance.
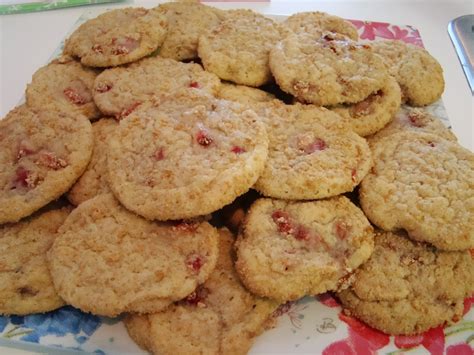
(233, 164)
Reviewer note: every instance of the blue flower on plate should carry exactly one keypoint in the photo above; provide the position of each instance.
(66, 320)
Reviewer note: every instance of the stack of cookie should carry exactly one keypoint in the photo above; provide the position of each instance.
(174, 157)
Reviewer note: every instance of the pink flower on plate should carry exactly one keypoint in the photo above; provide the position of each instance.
(433, 340)
(374, 30)
(459, 349)
(362, 339)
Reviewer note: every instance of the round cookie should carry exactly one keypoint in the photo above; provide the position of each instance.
(407, 287)
(291, 249)
(326, 71)
(317, 23)
(186, 22)
(310, 155)
(413, 119)
(107, 260)
(94, 182)
(118, 37)
(26, 286)
(138, 328)
(221, 316)
(419, 74)
(244, 94)
(237, 49)
(425, 185)
(185, 155)
(42, 154)
(243, 314)
(119, 91)
(373, 113)
(66, 84)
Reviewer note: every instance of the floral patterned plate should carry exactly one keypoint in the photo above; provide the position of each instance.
(311, 325)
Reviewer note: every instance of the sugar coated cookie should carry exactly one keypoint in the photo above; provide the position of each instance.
(407, 287)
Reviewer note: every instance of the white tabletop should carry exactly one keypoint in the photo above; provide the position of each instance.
(28, 40)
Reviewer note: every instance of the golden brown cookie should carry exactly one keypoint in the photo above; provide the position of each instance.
(424, 184)
(237, 49)
(328, 70)
(407, 287)
(119, 91)
(117, 37)
(42, 153)
(107, 260)
(94, 181)
(374, 112)
(220, 317)
(26, 286)
(317, 23)
(66, 84)
(186, 22)
(287, 250)
(311, 153)
(185, 155)
(413, 119)
(419, 74)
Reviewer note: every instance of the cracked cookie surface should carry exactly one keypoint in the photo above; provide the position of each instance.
(66, 84)
(125, 263)
(42, 154)
(373, 113)
(413, 119)
(185, 155)
(425, 185)
(237, 49)
(407, 287)
(317, 23)
(311, 153)
(186, 22)
(287, 250)
(117, 37)
(26, 286)
(220, 317)
(328, 70)
(418, 73)
(119, 91)
(93, 181)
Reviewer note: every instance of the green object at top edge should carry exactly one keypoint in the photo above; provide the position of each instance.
(48, 5)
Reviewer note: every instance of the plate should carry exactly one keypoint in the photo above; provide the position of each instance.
(311, 325)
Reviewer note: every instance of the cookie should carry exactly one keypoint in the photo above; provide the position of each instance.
(237, 49)
(107, 260)
(326, 71)
(26, 285)
(186, 22)
(94, 181)
(291, 249)
(407, 287)
(244, 94)
(66, 84)
(220, 317)
(425, 185)
(185, 155)
(117, 37)
(317, 23)
(42, 154)
(419, 74)
(414, 119)
(311, 154)
(374, 112)
(119, 91)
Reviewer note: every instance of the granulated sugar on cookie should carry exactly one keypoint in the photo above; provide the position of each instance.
(125, 263)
